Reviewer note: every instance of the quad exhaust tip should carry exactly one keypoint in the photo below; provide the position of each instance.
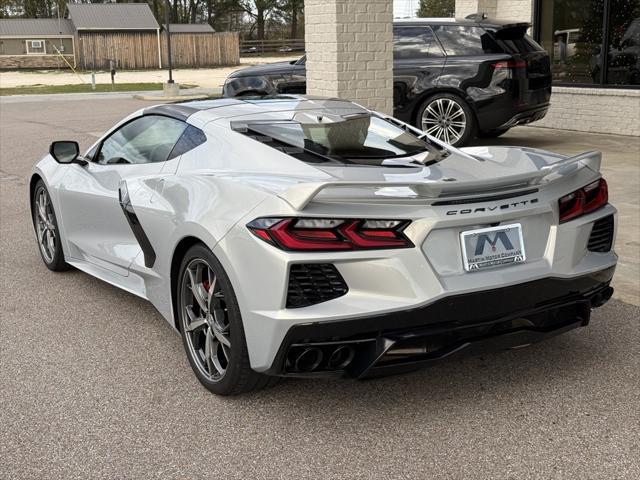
(326, 358)
(341, 357)
(601, 298)
(309, 359)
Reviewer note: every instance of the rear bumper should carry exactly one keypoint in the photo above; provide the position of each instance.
(501, 318)
(527, 116)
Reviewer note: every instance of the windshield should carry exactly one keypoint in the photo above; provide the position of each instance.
(359, 138)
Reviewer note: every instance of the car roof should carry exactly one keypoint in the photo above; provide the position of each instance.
(267, 107)
(483, 22)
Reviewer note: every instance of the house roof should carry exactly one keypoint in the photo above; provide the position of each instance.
(189, 28)
(112, 16)
(31, 27)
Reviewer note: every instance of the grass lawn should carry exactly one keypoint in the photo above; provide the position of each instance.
(84, 88)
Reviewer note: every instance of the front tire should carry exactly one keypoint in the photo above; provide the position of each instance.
(45, 225)
(211, 326)
(448, 118)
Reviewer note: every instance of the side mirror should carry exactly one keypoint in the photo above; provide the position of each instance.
(65, 151)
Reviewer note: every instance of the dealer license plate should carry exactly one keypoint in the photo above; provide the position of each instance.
(492, 247)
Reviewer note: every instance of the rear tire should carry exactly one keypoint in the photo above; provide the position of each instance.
(493, 133)
(448, 118)
(45, 225)
(211, 326)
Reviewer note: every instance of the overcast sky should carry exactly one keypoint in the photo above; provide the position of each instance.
(405, 8)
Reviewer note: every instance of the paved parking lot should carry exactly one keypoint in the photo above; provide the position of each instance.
(94, 383)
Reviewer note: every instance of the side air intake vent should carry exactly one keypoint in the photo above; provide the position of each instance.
(601, 238)
(314, 283)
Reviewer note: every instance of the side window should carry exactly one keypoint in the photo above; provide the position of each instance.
(520, 43)
(147, 139)
(414, 43)
(190, 139)
(91, 154)
(464, 40)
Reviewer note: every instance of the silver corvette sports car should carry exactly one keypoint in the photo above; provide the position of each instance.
(294, 236)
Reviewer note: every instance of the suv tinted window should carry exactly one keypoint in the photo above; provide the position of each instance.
(414, 43)
(524, 44)
(465, 40)
(516, 40)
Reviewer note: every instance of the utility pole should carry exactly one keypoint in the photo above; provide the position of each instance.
(167, 20)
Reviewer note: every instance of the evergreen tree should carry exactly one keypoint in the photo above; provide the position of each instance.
(436, 8)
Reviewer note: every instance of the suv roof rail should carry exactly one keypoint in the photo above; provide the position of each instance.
(477, 16)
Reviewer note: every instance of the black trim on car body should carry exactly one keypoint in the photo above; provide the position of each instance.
(173, 110)
(540, 301)
(133, 221)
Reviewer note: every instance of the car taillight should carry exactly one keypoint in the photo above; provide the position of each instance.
(585, 200)
(324, 234)
(511, 64)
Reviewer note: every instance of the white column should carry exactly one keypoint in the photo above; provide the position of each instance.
(349, 46)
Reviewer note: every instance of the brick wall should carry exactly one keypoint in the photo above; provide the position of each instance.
(349, 46)
(598, 110)
(34, 61)
(467, 7)
(505, 9)
(515, 9)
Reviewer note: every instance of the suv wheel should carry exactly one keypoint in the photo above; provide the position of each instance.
(448, 118)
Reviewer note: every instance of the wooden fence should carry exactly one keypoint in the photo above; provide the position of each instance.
(290, 45)
(140, 50)
(129, 50)
(202, 49)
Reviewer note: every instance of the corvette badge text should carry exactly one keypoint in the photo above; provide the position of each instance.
(466, 211)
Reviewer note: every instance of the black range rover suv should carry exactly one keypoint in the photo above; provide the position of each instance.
(455, 79)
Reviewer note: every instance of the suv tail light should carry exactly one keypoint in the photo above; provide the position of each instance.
(510, 64)
(585, 200)
(324, 234)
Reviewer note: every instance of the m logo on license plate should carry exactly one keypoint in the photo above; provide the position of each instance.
(492, 247)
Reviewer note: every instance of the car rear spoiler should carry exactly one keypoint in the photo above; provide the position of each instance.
(506, 26)
(299, 196)
(482, 17)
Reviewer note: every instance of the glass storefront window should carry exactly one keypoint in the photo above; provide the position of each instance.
(571, 32)
(574, 33)
(623, 61)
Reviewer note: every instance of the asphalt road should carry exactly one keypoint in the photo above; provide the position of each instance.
(95, 384)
